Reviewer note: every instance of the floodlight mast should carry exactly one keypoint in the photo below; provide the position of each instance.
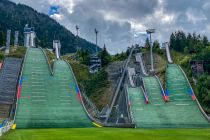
(96, 32)
(77, 28)
(150, 31)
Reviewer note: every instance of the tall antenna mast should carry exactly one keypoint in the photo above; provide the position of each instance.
(96, 32)
(77, 28)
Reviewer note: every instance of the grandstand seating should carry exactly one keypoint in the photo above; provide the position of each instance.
(8, 84)
(48, 100)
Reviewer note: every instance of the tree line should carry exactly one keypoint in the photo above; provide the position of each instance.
(196, 47)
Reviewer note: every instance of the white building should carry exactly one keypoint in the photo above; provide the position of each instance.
(32, 37)
(29, 36)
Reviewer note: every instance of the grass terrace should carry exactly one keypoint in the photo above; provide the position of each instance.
(107, 133)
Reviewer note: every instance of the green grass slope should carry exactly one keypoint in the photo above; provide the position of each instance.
(108, 134)
(46, 100)
(179, 93)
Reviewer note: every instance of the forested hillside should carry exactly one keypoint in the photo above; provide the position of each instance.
(15, 16)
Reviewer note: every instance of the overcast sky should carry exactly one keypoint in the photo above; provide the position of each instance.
(118, 20)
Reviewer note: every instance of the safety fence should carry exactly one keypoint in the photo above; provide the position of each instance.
(138, 57)
(4, 129)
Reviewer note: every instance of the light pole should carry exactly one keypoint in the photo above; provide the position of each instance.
(150, 31)
(96, 32)
(77, 28)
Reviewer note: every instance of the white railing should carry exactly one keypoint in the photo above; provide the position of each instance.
(6, 128)
(162, 90)
(144, 88)
(131, 73)
(145, 92)
(168, 54)
(48, 62)
(139, 59)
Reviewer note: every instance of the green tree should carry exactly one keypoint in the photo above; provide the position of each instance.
(205, 41)
(204, 55)
(84, 56)
(96, 82)
(147, 44)
(105, 56)
(156, 44)
(204, 89)
(1, 56)
(192, 43)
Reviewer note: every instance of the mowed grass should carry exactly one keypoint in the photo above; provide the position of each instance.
(108, 134)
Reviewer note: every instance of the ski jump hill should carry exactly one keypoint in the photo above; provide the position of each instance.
(48, 98)
(175, 107)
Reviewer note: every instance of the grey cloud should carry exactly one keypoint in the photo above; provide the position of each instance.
(180, 5)
(116, 30)
(131, 9)
(88, 17)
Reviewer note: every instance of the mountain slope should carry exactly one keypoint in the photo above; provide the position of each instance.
(15, 16)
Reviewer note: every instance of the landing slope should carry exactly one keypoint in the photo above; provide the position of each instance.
(186, 110)
(180, 112)
(48, 100)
